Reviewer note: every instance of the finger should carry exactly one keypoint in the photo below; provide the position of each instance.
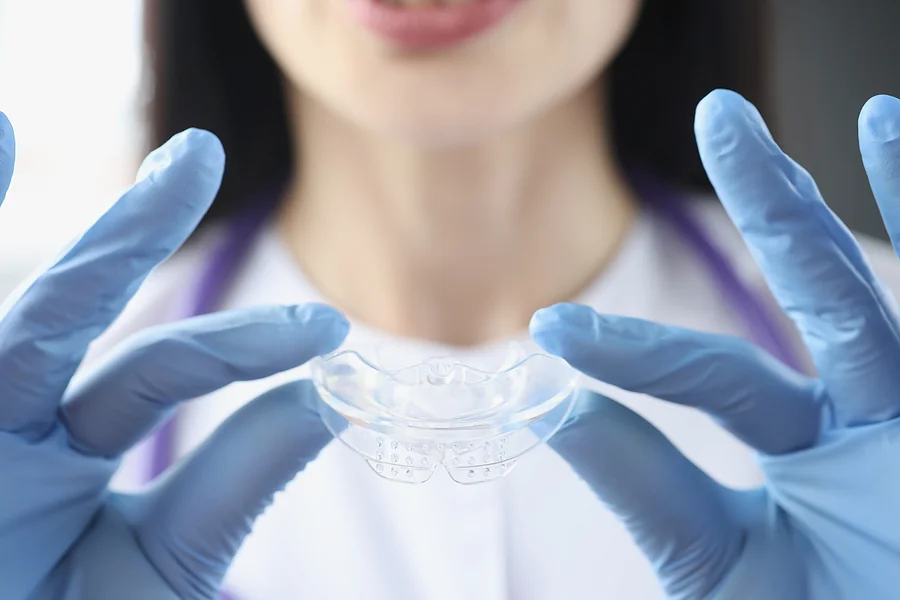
(678, 516)
(7, 155)
(46, 330)
(811, 261)
(761, 401)
(196, 517)
(879, 144)
(119, 403)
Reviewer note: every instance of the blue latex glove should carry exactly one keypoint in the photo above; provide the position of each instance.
(62, 533)
(827, 523)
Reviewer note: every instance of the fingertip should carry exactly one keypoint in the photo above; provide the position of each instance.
(879, 132)
(206, 145)
(327, 325)
(879, 119)
(544, 318)
(717, 111)
(564, 314)
(191, 147)
(6, 131)
(7, 154)
(563, 328)
(722, 118)
(7, 141)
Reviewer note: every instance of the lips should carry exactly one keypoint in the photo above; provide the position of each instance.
(430, 24)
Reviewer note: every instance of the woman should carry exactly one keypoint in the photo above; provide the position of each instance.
(439, 173)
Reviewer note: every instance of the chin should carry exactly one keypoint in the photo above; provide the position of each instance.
(443, 119)
(430, 130)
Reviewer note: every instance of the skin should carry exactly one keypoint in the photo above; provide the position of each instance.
(510, 126)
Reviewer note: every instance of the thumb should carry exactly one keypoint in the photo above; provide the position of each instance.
(677, 515)
(194, 519)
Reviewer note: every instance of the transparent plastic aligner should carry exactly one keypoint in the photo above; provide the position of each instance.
(407, 417)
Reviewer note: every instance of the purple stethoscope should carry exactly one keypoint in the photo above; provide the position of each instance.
(759, 323)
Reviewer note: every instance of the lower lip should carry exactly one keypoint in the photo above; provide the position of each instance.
(431, 27)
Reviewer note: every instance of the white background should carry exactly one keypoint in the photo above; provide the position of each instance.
(69, 82)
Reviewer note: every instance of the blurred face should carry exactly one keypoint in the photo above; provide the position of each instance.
(442, 72)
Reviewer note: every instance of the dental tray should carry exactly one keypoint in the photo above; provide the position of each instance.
(408, 414)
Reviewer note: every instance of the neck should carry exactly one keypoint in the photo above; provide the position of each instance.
(457, 245)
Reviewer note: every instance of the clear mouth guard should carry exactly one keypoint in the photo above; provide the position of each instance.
(408, 414)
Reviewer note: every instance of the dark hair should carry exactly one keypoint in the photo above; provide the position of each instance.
(208, 69)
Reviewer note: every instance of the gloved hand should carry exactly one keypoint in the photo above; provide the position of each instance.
(62, 533)
(827, 523)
